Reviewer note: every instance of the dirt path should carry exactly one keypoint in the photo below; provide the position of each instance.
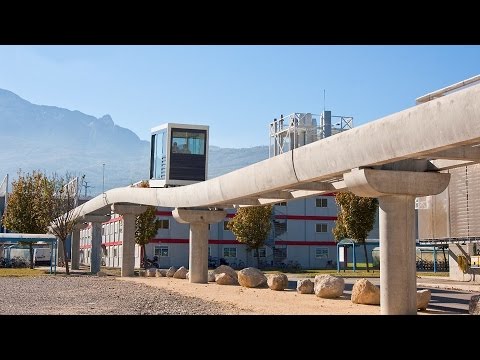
(261, 301)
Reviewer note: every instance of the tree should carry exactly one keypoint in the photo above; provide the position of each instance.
(27, 210)
(251, 226)
(61, 202)
(146, 225)
(355, 219)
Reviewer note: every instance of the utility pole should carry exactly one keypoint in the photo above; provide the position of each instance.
(85, 185)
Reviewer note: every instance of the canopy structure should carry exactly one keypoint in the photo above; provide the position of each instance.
(14, 238)
(345, 243)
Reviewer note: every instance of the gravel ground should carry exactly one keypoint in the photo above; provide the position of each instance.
(81, 295)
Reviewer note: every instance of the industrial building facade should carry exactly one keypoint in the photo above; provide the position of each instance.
(453, 218)
(301, 236)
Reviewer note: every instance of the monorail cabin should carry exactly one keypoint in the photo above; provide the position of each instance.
(179, 154)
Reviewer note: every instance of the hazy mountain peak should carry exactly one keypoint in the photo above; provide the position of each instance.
(55, 139)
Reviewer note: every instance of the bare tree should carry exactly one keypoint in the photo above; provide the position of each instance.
(63, 211)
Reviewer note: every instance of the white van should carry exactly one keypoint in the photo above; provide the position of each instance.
(41, 256)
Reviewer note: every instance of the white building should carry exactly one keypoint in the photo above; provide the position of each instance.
(301, 234)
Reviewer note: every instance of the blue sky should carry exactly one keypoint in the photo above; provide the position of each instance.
(237, 90)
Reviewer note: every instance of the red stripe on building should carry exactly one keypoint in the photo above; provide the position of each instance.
(113, 220)
(112, 243)
(185, 241)
(163, 213)
(305, 217)
(305, 243)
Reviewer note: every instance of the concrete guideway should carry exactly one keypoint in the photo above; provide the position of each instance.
(394, 158)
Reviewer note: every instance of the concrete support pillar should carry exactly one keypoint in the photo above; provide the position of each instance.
(398, 281)
(75, 251)
(198, 255)
(96, 253)
(129, 213)
(396, 191)
(128, 255)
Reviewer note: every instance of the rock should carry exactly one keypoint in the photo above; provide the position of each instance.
(211, 276)
(151, 272)
(101, 273)
(423, 298)
(364, 292)
(171, 271)
(225, 279)
(474, 306)
(187, 275)
(180, 273)
(328, 286)
(227, 270)
(305, 286)
(251, 277)
(160, 272)
(277, 281)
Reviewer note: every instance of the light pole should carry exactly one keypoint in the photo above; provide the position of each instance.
(103, 178)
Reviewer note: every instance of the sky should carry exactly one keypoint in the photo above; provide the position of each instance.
(236, 90)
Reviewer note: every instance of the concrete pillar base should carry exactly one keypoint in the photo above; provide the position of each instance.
(96, 253)
(129, 213)
(396, 191)
(198, 255)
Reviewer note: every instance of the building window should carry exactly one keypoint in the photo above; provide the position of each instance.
(283, 203)
(120, 227)
(321, 228)
(209, 251)
(164, 224)
(261, 252)
(115, 252)
(321, 202)
(230, 252)
(209, 227)
(103, 230)
(225, 223)
(161, 251)
(321, 253)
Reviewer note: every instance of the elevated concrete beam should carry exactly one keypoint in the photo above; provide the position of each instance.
(198, 256)
(285, 195)
(458, 153)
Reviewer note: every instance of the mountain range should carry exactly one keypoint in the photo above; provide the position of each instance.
(53, 139)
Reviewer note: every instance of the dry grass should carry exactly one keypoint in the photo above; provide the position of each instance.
(20, 272)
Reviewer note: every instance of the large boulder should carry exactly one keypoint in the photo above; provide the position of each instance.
(101, 274)
(251, 277)
(305, 286)
(151, 272)
(225, 279)
(474, 306)
(277, 281)
(180, 273)
(227, 270)
(423, 298)
(161, 273)
(142, 273)
(171, 271)
(364, 292)
(211, 276)
(328, 286)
